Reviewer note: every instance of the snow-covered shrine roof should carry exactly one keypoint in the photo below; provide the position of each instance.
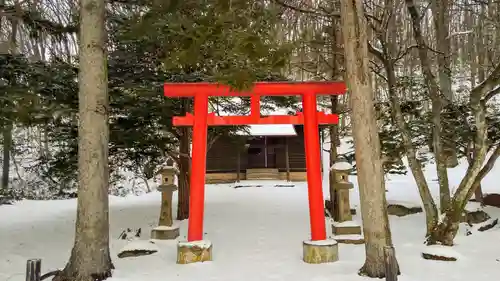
(268, 130)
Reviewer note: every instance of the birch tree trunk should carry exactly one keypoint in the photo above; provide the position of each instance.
(90, 258)
(366, 139)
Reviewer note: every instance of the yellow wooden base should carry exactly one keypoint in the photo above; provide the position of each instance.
(324, 251)
(196, 251)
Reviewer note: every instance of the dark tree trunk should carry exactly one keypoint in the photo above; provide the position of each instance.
(184, 170)
(238, 166)
(478, 194)
(7, 126)
(287, 159)
(7, 147)
(333, 130)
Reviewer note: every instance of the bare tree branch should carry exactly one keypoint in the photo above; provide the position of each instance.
(492, 93)
(487, 87)
(405, 52)
(299, 9)
(490, 163)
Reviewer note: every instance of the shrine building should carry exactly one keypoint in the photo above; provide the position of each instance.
(262, 152)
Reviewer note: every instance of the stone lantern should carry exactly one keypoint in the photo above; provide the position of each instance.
(344, 228)
(166, 229)
(341, 170)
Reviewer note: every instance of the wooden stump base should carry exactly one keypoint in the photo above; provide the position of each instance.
(324, 251)
(165, 232)
(196, 251)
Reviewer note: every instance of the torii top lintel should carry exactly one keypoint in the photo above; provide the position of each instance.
(308, 90)
(259, 88)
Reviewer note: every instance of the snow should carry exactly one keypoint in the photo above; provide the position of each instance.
(204, 244)
(346, 224)
(407, 204)
(473, 207)
(269, 130)
(341, 166)
(441, 251)
(487, 222)
(348, 237)
(327, 242)
(257, 234)
(456, 33)
(262, 183)
(144, 245)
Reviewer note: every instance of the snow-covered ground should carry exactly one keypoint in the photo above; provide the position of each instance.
(257, 234)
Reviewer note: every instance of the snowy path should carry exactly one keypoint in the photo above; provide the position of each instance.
(256, 233)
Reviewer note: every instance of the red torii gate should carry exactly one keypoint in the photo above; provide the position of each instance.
(310, 117)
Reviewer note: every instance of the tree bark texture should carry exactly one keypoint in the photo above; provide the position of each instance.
(366, 139)
(441, 18)
(90, 258)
